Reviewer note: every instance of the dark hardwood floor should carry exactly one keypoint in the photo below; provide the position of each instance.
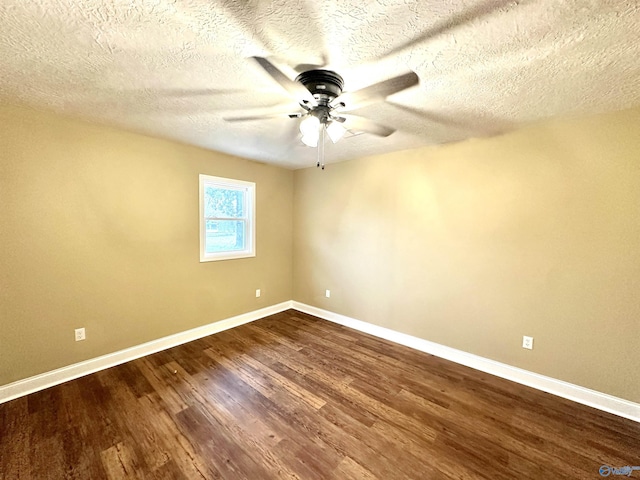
(292, 396)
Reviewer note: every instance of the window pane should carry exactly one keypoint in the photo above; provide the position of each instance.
(223, 202)
(227, 221)
(224, 236)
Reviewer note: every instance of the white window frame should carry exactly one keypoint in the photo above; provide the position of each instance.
(250, 218)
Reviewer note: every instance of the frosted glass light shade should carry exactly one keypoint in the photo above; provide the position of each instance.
(335, 131)
(309, 126)
(310, 140)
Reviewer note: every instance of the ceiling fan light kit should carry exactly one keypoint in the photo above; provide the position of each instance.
(313, 123)
(319, 93)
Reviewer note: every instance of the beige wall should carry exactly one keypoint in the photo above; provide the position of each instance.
(470, 245)
(99, 229)
(474, 245)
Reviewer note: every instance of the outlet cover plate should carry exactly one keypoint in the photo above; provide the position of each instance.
(527, 342)
(80, 334)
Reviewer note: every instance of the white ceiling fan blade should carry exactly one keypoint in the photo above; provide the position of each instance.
(297, 90)
(361, 124)
(263, 116)
(376, 92)
(473, 14)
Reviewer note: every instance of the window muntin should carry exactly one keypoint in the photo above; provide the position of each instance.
(227, 218)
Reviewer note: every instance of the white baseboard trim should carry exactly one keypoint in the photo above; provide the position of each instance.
(601, 401)
(70, 372)
(576, 393)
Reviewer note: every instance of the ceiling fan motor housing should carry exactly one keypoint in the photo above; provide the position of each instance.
(322, 83)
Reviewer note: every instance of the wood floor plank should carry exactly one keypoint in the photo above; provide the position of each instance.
(249, 433)
(79, 457)
(183, 454)
(158, 378)
(381, 454)
(15, 440)
(120, 462)
(349, 469)
(294, 397)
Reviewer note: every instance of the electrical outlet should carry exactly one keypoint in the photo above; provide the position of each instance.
(527, 342)
(80, 335)
(327, 293)
(257, 293)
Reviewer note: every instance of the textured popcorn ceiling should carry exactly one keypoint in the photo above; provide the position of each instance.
(175, 68)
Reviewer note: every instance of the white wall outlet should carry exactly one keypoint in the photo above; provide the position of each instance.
(80, 335)
(527, 342)
(258, 292)
(327, 293)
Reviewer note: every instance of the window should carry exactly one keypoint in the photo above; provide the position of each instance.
(227, 218)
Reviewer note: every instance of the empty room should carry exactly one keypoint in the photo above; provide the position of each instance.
(319, 240)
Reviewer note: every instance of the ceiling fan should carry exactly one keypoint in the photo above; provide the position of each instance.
(324, 104)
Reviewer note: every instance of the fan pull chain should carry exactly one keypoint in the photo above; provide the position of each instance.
(321, 148)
